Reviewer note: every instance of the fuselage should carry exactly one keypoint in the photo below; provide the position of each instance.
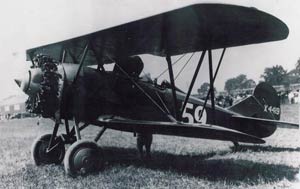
(109, 94)
(106, 93)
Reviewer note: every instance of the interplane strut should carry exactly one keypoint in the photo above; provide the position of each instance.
(192, 82)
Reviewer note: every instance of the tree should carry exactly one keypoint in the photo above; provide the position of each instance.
(241, 78)
(298, 65)
(204, 88)
(230, 85)
(239, 82)
(275, 75)
(294, 75)
(249, 83)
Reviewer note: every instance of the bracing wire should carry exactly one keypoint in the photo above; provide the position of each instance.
(172, 65)
(184, 65)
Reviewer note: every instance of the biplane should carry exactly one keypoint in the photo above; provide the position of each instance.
(68, 81)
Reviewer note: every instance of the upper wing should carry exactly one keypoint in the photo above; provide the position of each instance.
(178, 129)
(194, 28)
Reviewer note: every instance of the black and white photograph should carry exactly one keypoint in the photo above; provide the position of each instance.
(150, 94)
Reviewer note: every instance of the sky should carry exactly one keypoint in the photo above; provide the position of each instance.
(31, 23)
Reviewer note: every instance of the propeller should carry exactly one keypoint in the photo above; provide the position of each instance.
(18, 82)
(43, 84)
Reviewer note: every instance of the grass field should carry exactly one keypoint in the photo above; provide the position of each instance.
(176, 162)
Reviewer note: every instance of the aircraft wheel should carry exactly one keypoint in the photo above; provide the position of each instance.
(83, 157)
(39, 152)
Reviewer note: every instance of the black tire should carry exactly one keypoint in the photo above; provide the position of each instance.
(39, 151)
(83, 157)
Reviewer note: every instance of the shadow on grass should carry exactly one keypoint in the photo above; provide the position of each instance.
(233, 171)
(258, 148)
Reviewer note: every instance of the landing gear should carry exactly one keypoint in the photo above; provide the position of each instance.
(236, 147)
(83, 157)
(41, 155)
(144, 139)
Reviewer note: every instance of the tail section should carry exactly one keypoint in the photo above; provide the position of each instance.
(258, 114)
(264, 103)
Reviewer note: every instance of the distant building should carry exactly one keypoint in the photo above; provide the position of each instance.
(294, 76)
(11, 106)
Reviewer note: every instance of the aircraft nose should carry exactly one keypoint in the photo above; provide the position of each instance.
(18, 82)
(30, 83)
(23, 82)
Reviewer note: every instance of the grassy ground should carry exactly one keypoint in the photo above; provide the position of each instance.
(177, 162)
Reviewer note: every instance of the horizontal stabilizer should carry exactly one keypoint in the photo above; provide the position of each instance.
(278, 124)
(178, 129)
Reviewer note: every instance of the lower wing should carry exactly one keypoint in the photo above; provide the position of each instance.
(178, 129)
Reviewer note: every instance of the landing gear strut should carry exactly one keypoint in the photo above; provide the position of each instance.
(84, 156)
(236, 147)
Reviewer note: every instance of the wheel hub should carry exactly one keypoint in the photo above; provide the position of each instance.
(83, 157)
(85, 160)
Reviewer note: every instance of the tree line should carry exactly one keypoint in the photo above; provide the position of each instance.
(275, 75)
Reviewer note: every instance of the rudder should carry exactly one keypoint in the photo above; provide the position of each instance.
(267, 96)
